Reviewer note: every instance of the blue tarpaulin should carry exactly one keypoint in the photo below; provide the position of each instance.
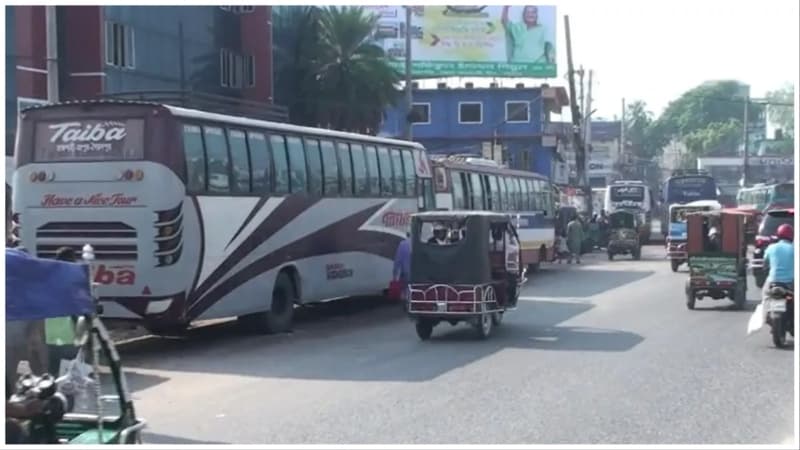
(43, 288)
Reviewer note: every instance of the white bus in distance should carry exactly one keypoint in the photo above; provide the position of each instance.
(635, 196)
(466, 182)
(195, 215)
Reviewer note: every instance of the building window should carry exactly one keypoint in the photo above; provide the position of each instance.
(517, 112)
(120, 45)
(470, 112)
(236, 70)
(421, 113)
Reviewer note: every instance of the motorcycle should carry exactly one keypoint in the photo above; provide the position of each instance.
(779, 311)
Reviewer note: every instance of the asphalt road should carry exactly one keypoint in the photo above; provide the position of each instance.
(602, 353)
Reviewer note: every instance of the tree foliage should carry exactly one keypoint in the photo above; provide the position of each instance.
(781, 115)
(331, 74)
(705, 118)
(638, 126)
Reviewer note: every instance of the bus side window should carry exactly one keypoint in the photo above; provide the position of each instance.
(314, 167)
(239, 161)
(495, 191)
(538, 195)
(527, 193)
(458, 190)
(330, 168)
(359, 169)
(195, 159)
(399, 173)
(501, 189)
(374, 173)
(346, 167)
(411, 173)
(260, 161)
(477, 192)
(385, 163)
(217, 159)
(297, 164)
(281, 164)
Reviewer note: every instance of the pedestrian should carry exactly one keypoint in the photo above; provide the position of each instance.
(402, 267)
(574, 239)
(60, 331)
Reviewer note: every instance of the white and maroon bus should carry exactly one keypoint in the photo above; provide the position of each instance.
(196, 215)
(472, 183)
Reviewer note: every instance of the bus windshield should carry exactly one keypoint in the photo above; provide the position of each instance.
(690, 188)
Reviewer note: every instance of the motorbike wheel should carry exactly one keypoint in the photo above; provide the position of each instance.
(778, 333)
(424, 329)
(674, 263)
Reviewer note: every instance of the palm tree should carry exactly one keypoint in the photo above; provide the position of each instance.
(333, 75)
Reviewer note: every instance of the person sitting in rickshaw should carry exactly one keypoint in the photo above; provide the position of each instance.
(714, 242)
(439, 235)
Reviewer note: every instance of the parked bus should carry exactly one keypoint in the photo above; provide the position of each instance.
(634, 196)
(685, 186)
(473, 183)
(196, 215)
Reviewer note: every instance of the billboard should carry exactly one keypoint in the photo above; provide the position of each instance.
(490, 41)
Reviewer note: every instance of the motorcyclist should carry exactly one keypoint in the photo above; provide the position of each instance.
(779, 259)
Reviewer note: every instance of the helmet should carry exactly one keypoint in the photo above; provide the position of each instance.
(785, 231)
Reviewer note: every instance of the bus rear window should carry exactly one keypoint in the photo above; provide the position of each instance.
(89, 140)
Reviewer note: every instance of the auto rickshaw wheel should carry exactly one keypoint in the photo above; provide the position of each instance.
(740, 296)
(610, 256)
(674, 263)
(424, 329)
(497, 319)
(690, 299)
(484, 325)
(637, 254)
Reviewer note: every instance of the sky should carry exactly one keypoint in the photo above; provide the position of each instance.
(655, 50)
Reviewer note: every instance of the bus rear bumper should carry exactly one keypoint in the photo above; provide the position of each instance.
(152, 312)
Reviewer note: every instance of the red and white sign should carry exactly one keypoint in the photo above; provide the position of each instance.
(122, 275)
(396, 219)
(117, 200)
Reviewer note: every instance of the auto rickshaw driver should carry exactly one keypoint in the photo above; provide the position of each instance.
(439, 235)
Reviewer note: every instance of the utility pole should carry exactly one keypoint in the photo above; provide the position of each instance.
(580, 73)
(409, 102)
(745, 179)
(52, 53)
(587, 120)
(577, 141)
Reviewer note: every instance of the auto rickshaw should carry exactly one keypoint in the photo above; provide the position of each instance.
(465, 267)
(717, 269)
(88, 403)
(676, 237)
(623, 235)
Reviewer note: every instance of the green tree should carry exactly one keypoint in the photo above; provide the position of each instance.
(638, 123)
(705, 115)
(782, 116)
(332, 74)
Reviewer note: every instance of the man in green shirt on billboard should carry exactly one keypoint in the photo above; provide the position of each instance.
(526, 40)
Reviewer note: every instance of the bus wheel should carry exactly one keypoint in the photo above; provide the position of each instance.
(279, 317)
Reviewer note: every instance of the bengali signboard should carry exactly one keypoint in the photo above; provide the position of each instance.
(504, 41)
(89, 140)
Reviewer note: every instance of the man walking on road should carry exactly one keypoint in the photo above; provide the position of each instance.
(574, 239)
(402, 265)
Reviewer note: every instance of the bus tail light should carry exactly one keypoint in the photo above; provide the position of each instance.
(41, 176)
(131, 175)
(169, 242)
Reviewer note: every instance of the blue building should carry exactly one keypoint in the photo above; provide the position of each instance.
(508, 125)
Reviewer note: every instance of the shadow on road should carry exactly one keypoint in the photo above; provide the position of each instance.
(585, 283)
(725, 305)
(386, 351)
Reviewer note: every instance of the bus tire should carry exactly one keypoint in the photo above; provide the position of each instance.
(281, 312)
